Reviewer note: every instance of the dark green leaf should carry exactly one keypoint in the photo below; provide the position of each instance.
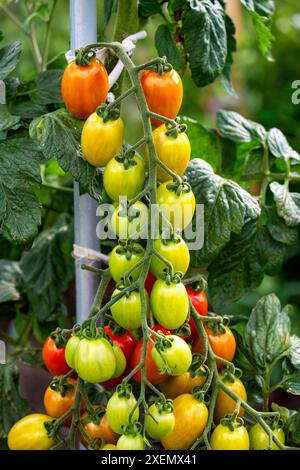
(294, 351)
(108, 7)
(28, 110)
(12, 405)
(231, 48)
(288, 204)
(292, 385)
(48, 85)
(253, 165)
(48, 267)
(278, 144)
(176, 5)
(10, 279)
(20, 211)
(166, 46)
(205, 142)
(149, 7)
(9, 58)
(11, 87)
(8, 120)
(205, 41)
(267, 332)
(278, 228)
(59, 136)
(296, 428)
(235, 127)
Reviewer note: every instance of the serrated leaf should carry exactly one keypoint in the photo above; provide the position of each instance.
(205, 40)
(8, 120)
(9, 58)
(226, 207)
(48, 267)
(294, 352)
(59, 136)
(263, 33)
(267, 332)
(262, 7)
(278, 144)
(48, 86)
(253, 163)
(20, 210)
(149, 7)
(235, 127)
(166, 46)
(278, 228)
(231, 48)
(288, 204)
(205, 142)
(10, 279)
(28, 110)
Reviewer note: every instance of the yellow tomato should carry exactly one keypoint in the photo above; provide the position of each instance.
(225, 404)
(29, 433)
(179, 384)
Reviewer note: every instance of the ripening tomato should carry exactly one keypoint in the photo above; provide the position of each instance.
(175, 358)
(259, 439)
(124, 178)
(126, 341)
(200, 302)
(225, 405)
(97, 427)
(160, 420)
(29, 433)
(222, 344)
(84, 87)
(120, 361)
(175, 251)
(169, 303)
(163, 93)
(178, 209)
(177, 385)
(173, 151)
(127, 311)
(57, 405)
(119, 407)
(54, 358)
(152, 372)
(224, 438)
(71, 348)
(121, 259)
(149, 283)
(95, 360)
(131, 223)
(131, 442)
(101, 140)
(191, 417)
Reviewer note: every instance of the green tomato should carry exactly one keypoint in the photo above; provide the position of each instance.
(70, 351)
(122, 259)
(131, 442)
(174, 251)
(259, 439)
(118, 409)
(159, 424)
(120, 361)
(224, 438)
(133, 223)
(127, 311)
(169, 304)
(174, 359)
(95, 360)
(178, 209)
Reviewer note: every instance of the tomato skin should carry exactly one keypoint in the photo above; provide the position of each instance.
(109, 447)
(177, 385)
(101, 141)
(71, 348)
(174, 152)
(124, 228)
(178, 357)
(162, 425)
(131, 442)
(224, 438)
(126, 341)
(118, 410)
(169, 304)
(120, 361)
(54, 358)
(29, 433)
(163, 93)
(152, 371)
(176, 252)
(127, 311)
(101, 430)
(222, 344)
(150, 281)
(55, 404)
(95, 360)
(191, 417)
(178, 210)
(259, 439)
(119, 264)
(84, 88)
(225, 404)
(120, 181)
(200, 302)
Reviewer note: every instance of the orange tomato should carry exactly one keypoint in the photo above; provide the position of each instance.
(55, 404)
(179, 384)
(222, 344)
(101, 430)
(225, 404)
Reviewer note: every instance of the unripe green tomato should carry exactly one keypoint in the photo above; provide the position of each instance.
(134, 223)
(224, 438)
(127, 311)
(169, 304)
(120, 262)
(70, 351)
(95, 360)
(159, 424)
(177, 358)
(29, 433)
(118, 409)
(259, 439)
(176, 252)
(131, 442)
(120, 361)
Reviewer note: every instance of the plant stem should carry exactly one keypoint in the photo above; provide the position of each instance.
(47, 36)
(15, 20)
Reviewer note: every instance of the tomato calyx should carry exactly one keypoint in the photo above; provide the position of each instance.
(84, 57)
(132, 429)
(164, 406)
(61, 385)
(170, 239)
(173, 130)
(162, 66)
(230, 373)
(218, 327)
(124, 390)
(169, 279)
(179, 186)
(198, 286)
(126, 157)
(232, 421)
(60, 337)
(94, 415)
(129, 248)
(201, 395)
(197, 366)
(108, 112)
(184, 331)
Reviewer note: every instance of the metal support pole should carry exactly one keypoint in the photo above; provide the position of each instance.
(83, 22)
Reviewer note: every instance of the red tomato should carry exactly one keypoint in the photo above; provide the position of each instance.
(153, 374)
(222, 344)
(125, 341)
(54, 358)
(112, 383)
(199, 300)
(150, 281)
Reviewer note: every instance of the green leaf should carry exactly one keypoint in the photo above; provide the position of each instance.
(10, 279)
(176, 6)
(28, 110)
(278, 228)
(231, 48)
(20, 211)
(59, 136)
(108, 8)
(294, 351)
(205, 40)
(241, 265)
(9, 58)
(166, 46)
(48, 85)
(267, 332)
(48, 267)
(235, 127)
(288, 204)
(40, 13)
(226, 206)
(263, 33)
(264, 8)
(253, 165)
(8, 120)
(11, 87)
(205, 142)
(296, 428)
(148, 8)
(12, 405)
(279, 146)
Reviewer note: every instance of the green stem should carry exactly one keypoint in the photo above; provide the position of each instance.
(47, 36)
(15, 20)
